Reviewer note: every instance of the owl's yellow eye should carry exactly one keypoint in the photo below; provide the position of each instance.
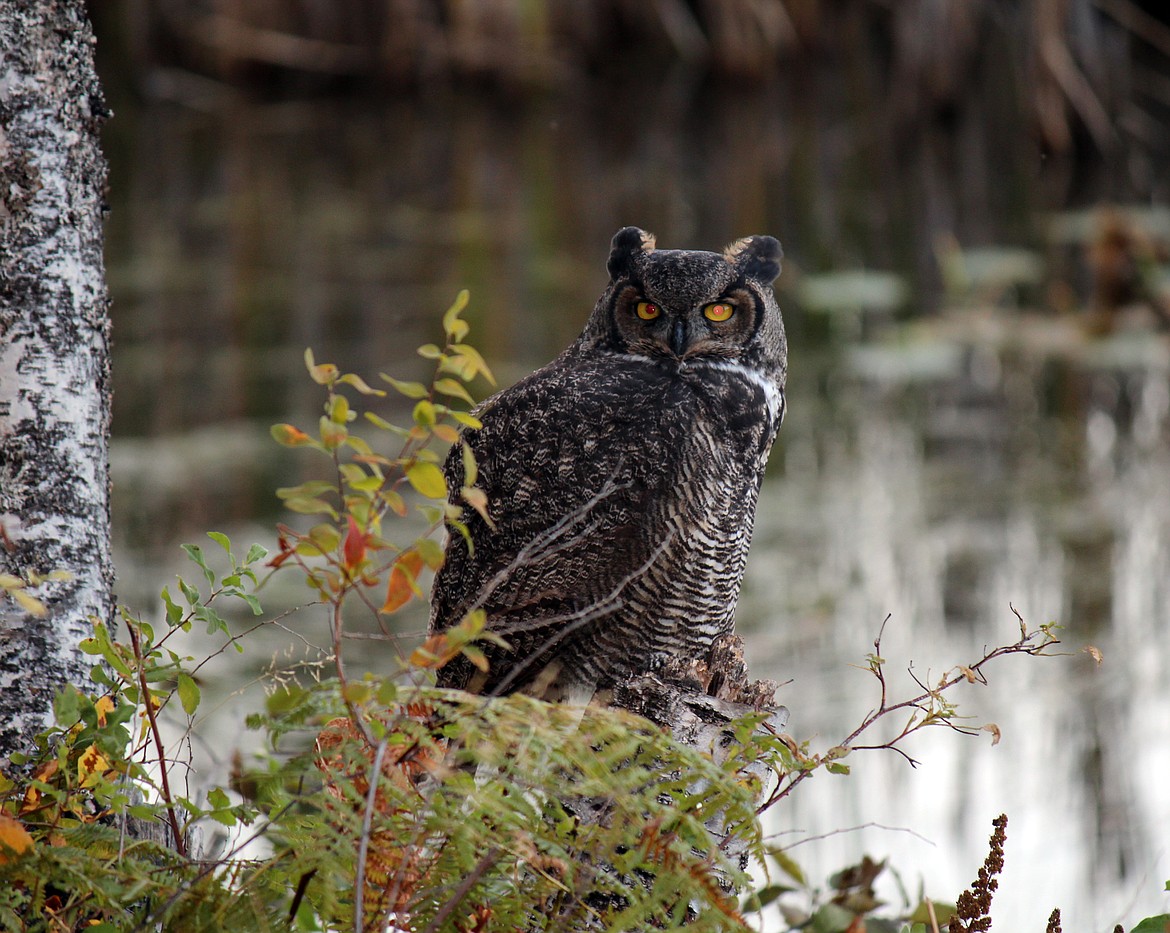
(719, 311)
(648, 311)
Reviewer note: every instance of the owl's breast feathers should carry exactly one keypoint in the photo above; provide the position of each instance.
(622, 492)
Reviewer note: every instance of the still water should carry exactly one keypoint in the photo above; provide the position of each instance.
(952, 450)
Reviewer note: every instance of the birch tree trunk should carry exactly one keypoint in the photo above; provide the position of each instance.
(54, 356)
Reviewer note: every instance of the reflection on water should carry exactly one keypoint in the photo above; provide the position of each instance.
(934, 474)
(942, 504)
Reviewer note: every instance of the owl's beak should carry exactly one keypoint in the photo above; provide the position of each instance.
(678, 338)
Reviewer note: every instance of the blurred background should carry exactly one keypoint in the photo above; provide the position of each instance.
(975, 206)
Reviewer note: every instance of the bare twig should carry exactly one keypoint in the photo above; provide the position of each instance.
(927, 707)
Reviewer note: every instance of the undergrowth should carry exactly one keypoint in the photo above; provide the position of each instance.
(501, 814)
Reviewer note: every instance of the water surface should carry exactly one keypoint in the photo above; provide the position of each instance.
(947, 455)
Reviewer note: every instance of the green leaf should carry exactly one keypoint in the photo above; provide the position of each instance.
(409, 389)
(379, 422)
(311, 507)
(313, 487)
(332, 433)
(427, 479)
(359, 444)
(430, 551)
(787, 864)
(339, 410)
(387, 692)
(367, 484)
(428, 351)
(467, 420)
(195, 552)
(1158, 924)
(215, 622)
(188, 694)
(358, 693)
(831, 918)
(424, 414)
(837, 767)
(67, 706)
(222, 540)
(760, 899)
(174, 611)
(255, 552)
(284, 699)
(326, 537)
(942, 913)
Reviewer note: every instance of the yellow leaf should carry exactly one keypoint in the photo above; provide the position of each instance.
(321, 373)
(14, 838)
(394, 501)
(290, 436)
(360, 384)
(427, 479)
(424, 414)
(445, 433)
(332, 434)
(103, 706)
(470, 470)
(453, 389)
(92, 766)
(474, 363)
(477, 499)
(409, 389)
(451, 318)
(31, 604)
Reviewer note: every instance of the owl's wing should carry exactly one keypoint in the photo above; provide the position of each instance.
(572, 463)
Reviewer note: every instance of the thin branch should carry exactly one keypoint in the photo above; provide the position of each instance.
(608, 604)
(461, 892)
(148, 703)
(359, 896)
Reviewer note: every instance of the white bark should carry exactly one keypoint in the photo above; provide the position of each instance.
(54, 360)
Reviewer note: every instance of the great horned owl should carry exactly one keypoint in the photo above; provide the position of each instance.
(622, 477)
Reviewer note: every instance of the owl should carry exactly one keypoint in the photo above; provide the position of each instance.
(622, 478)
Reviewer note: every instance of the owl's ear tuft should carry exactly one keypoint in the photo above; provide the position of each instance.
(758, 257)
(627, 242)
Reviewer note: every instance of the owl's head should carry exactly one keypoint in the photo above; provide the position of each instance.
(689, 305)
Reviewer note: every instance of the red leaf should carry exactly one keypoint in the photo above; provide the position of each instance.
(402, 576)
(354, 548)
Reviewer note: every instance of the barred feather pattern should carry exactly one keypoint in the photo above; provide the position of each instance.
(622, 478)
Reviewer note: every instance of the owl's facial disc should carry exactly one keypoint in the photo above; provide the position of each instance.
(684, 329)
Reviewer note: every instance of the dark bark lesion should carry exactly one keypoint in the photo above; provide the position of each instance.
(20, 180)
